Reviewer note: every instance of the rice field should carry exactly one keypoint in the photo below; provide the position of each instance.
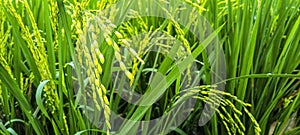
(144, 67)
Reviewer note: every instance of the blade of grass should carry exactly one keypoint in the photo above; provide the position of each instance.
(25, 106)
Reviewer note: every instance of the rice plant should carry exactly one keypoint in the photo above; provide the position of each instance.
(149, 67)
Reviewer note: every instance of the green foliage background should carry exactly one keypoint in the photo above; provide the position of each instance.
(38, 40)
